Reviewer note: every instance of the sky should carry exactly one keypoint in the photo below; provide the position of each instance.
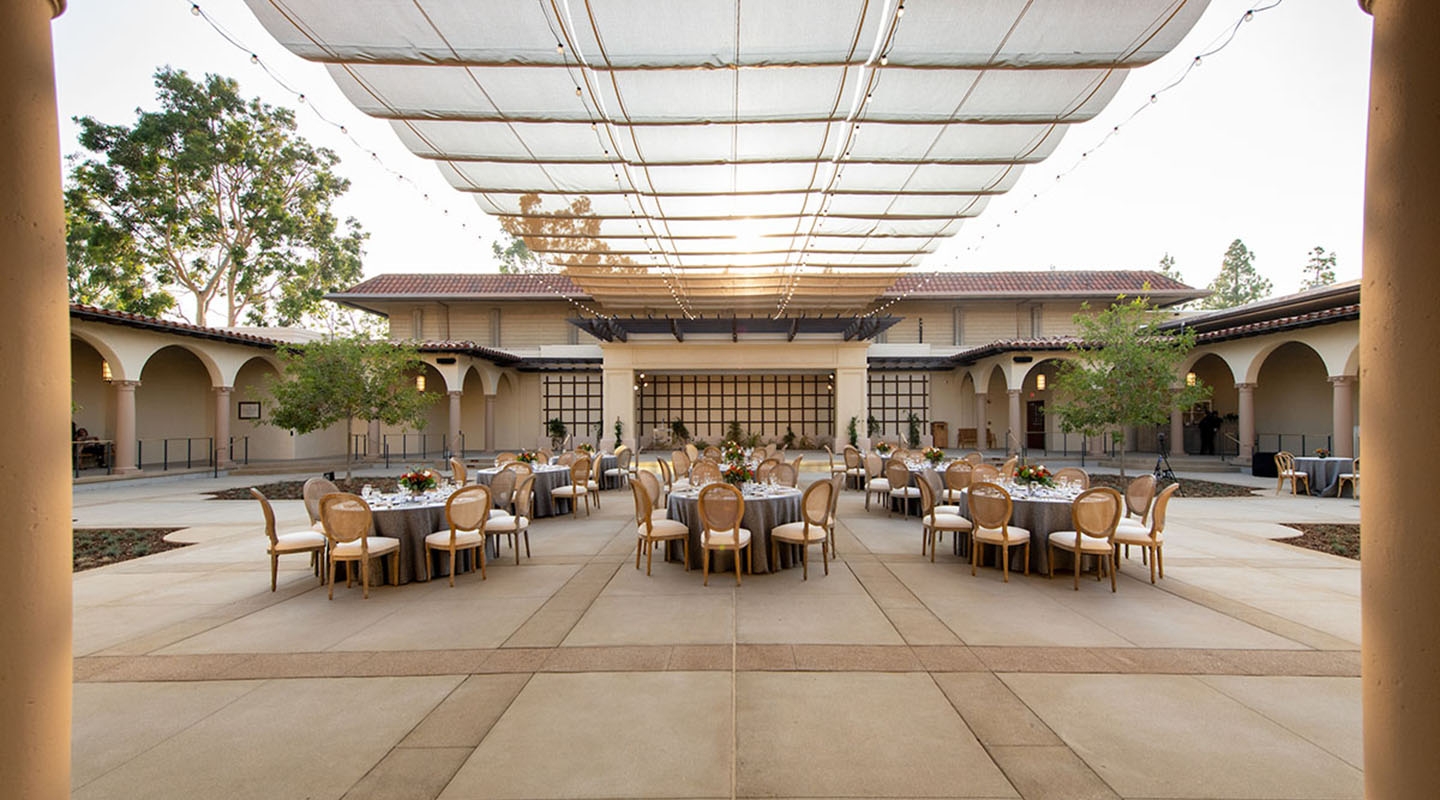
(1264, 142)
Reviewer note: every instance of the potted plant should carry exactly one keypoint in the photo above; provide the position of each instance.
(912, 434)
(556, 429)
(854, 431)
(619, 432)
(679, 431)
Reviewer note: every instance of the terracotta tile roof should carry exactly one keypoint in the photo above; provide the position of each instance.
(923, 284)
(79, 311)
(462, 285)
(1306, 320)
(497, 357)
(1039, 282)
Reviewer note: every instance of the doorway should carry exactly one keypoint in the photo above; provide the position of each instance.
(1035, 425)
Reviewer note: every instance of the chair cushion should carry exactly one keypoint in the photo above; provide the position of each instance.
(298, 540)
(664, 529)
(877, 485)
(1349, 475)
(948, 522)
(592, 486)
(727, 538)
(1131, 536)
(507, 525)
(952, 495)
(377, 545)
(995, 536)
(1132, 524)
(318, 527)
(795, 532)
(462, 538)
(568, 491)
(497, 513)
(905, 491)
(948, 510)
(1088, 544)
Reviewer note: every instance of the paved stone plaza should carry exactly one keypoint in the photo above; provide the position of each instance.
(575, 675)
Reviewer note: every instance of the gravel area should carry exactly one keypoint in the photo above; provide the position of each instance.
(1336, 539)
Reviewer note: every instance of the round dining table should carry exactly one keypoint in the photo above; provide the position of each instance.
(1042, 513)
(765, 508)
(410, 519)
(1324, 473)
(548, 477)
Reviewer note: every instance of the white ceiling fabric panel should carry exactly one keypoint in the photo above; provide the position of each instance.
(760, 134)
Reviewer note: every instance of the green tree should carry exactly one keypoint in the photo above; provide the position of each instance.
(343, 380)
(1320, 271)
(1169, 270)
(1124, 373)
(1238, 282)
(515, 257)
(213, 195)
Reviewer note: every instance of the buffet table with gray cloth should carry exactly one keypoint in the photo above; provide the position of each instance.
(762, 513)
(547, 478)
(1040, 516)
(1324, 473)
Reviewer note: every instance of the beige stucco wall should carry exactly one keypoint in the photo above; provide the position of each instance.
(1292, 396)
(94, 397)
(173, 401)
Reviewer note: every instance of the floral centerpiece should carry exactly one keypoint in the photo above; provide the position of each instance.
(1321, 452)
(882, 448)
(586, 448)
(934, 455)
(528, 457)
(417, 481)
(733, 453)
(1034, 475)
(736, 474)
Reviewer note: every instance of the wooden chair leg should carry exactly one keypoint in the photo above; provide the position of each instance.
(365, 578)
(1027, 558)
(1112, 578)
(1078, 558)
(274, 569)
(804, 562)
(1050, 559)
(974, 555)
(649, 555)
(639, 545)
(1160, 559)
(1005, 562)
(332, 579)
(705, 566)
(825, 558)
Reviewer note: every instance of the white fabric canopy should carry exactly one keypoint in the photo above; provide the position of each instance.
(804, 137)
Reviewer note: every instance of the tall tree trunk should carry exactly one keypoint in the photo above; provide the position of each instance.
(349, 425)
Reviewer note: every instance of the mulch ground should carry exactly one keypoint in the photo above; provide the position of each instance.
(1189, 487)
(1336, 539)
(96, 547)
(290, 490)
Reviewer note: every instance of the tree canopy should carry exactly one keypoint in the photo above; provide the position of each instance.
(213, 196)
(1125, 372)
(1238, 282)
(1169, 270)
(1320, 270)
(342, 380)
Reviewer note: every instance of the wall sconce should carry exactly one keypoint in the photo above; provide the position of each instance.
(1040, 381)
(1189, 379)
(419, 383)
(105, 373)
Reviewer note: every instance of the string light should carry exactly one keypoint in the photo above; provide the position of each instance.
(1216, 45)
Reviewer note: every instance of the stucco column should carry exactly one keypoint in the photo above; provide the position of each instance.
(1017, 424)
(372, 435)
(454, 433)
(1177, 430)
(35, 452)
(982, 400)
(1342, 411)
(1247, 422)
(618, 386)
(222, 426)
(489, 422)
(1400, 598)
(850, 401)
(125, 426)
